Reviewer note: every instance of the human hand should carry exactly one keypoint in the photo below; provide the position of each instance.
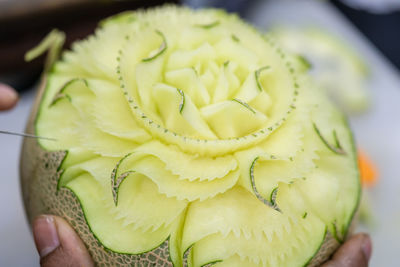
(8, 97)
(356, 252)
(59, 245)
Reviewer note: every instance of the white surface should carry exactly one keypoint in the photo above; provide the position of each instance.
(16, 242)
(377, 131)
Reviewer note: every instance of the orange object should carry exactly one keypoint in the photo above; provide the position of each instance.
(368, 170)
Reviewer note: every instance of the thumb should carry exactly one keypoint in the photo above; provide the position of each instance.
(58, 244)
(356, 252)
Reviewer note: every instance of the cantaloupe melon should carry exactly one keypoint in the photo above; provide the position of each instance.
(187, 138)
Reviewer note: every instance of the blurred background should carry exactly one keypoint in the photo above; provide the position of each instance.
(352, 46)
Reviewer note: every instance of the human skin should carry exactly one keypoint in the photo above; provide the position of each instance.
(8, 97)
(59, 245)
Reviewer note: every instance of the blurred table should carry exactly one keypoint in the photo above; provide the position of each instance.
(16, 246)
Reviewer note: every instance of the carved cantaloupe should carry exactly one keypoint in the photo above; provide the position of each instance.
(183, 137)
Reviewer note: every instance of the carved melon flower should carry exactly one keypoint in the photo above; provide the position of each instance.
(192, 128)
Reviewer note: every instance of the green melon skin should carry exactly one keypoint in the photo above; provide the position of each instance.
(226, 156)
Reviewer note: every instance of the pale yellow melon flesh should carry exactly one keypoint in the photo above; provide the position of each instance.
(190, 149)
(39, 177)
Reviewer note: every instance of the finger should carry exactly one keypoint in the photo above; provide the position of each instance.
(356, 252)
(58, 244)
(8, 97)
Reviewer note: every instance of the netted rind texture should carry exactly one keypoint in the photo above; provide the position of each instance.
(186, 137)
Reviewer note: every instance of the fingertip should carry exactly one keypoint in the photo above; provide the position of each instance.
(366, 246)
(45, 235)
(8, 97)
(355, 252)
(58, 244)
